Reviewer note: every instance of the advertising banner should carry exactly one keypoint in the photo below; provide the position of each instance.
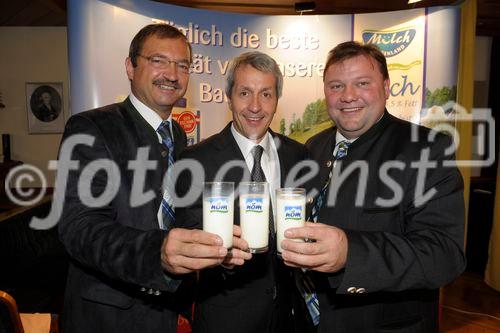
(100, 32)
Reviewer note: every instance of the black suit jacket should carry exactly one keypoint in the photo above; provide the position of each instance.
(115, 281)
(401, 252)
(249, 298)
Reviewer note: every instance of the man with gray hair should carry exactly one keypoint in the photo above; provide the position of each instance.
(252, 297)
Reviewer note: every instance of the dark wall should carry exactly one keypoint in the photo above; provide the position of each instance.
(33, 263)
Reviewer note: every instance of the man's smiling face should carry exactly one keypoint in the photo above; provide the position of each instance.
(356, 93)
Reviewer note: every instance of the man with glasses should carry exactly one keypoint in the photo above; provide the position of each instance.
(127, 262)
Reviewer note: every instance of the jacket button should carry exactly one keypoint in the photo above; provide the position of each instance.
(157, 293)
(164, 153)
(143, 289)
(351, 290)
(150, 291)
(310, 200)
(360, 290)
(328, 164)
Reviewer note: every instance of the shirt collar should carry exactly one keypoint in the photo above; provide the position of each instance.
(246, 144)
(339, 137)
(151, 117)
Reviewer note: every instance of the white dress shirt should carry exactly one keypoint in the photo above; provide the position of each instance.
(269, 162)
(153, 119)
(150, 116)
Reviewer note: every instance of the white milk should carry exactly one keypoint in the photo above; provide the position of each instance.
(218, 214)
(291, 211)
(254, 221)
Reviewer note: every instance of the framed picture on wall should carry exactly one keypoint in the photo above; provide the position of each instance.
(44, 103)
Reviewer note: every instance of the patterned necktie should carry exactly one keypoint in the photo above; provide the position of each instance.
(168, 214)
(257, 175)
(342, 147)
(303, 281)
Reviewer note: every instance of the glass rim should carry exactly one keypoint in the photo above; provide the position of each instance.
(218, 183)
(253, 183)
(291, 189)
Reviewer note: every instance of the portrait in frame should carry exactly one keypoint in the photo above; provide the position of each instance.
(44, 103)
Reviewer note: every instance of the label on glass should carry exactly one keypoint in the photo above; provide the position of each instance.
(293, 213)
(254, 205)
(218, 205)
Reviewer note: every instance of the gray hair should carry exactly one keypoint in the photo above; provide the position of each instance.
(261, 62)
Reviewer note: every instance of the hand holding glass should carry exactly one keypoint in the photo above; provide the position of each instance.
(291, 211)
(254, 215)
(218, 210)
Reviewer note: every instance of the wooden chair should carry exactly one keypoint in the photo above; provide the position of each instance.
(11, 321)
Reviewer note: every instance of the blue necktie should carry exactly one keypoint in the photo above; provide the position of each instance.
(303, 281)
(168, 214)
(342, 147)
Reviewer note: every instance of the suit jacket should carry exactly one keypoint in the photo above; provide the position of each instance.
(116, 282)
(249, 298)
(399, 252)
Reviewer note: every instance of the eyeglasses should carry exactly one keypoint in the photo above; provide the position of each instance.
(161, 62)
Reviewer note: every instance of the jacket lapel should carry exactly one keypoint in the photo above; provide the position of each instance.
(227, 145)
(180, 140)
(285, 164)
(325, 164)
(147, 137)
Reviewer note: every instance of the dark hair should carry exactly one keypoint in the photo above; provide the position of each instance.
(352, 49)
(261, 62)
(160, 30)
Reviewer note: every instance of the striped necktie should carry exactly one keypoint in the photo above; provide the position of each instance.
(303, 280)
(168, 214)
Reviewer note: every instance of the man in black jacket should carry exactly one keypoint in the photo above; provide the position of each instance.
(389, 214)
(126, 261)
(253, 297)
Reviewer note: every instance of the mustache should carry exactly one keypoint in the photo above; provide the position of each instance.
(175, 84)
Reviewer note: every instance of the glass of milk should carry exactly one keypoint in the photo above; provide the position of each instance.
(290, 211)
(254, 215)
(218, 210)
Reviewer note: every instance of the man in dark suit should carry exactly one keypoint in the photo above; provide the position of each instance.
(390, 222)
(252, 297)
(126, 263)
